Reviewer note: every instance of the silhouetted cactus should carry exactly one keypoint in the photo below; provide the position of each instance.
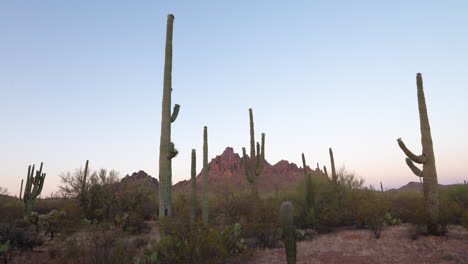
(21, 191)
(167, 151)
(257, 160)
(205, 177)
(332, 161)
(309, 193)
(325, 170)
(427, 159)
(381, 187)
(33, 187)
(193, 181)
(289, 231)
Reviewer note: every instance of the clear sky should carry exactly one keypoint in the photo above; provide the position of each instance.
(83, 80)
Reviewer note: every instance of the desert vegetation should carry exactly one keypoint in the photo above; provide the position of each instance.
(99, 217)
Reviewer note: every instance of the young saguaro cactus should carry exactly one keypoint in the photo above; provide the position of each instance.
(167, 151)
(257, 159)
(332, 161)
(427, 159)
(309, 194)
(289, 231)
(33, 187)
(205, 177)
(193, 181)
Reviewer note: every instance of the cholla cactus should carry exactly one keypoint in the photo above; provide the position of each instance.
(427, 159)
(33, 187)
(289, 231)
(257, 159)
(51, 222)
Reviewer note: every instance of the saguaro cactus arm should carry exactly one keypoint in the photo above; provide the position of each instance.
(304, 164)
(332, 161)
(413, 168)
(418, 159)
(260, 156)
(246, 169)
(175, 113)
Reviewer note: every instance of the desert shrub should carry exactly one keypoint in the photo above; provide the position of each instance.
(20, 235)
(230, 207)
(185, 243)
(372, 210)
(457, 194)
(263, 225)
(450, 214)
(101, 246)
(11, 209)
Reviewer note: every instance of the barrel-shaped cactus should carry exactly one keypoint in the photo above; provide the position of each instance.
(205, 201)
(167, 151)
(193, 183)
(289, 231)
(33, 188)
(427, 159)
(257, 158)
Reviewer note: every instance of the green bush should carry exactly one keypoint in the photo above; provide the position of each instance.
(185, 243)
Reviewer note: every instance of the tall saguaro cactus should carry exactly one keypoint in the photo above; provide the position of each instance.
(257, 158)
(33, 187)
(167, 151)
(289, 231)
(427, 159)
(309, 194)
(21, 190)
(193, 182)
(332, 161)
(205, 177)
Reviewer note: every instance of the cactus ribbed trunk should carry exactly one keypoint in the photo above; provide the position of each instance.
(309, 194)
(289, 231)
(427, 159)
(205, 177)
(193, 182)
(167, 150)
(332, 161)
(257, 158)
(21, 190)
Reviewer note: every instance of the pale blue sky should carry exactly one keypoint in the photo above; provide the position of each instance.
(83, 80)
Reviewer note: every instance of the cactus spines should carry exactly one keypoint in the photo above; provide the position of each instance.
(167, 151)
(289, 231)
(33, 187)
(193, 182)
(21, 190)
(427, 159)
(257, 158)
(205, 177)
(332, 161)
(309, 194)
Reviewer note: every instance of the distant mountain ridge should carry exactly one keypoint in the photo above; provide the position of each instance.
(227, 171)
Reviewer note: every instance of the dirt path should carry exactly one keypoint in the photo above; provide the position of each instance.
(359, 246)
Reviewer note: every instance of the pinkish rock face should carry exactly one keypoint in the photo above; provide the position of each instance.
(227, 169)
